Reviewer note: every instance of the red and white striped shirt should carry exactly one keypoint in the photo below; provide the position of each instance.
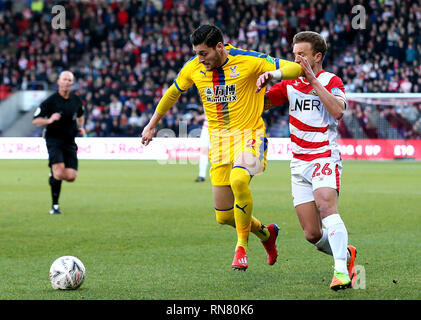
(313, 129)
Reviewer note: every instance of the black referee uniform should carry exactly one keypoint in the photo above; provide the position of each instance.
(60, 135)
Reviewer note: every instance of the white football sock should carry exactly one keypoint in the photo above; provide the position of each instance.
(203, 165)
(338, 240)
(323, 244)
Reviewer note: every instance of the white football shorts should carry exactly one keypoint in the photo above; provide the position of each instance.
(309, 176)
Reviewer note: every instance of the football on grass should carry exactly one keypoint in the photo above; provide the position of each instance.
(67, 273)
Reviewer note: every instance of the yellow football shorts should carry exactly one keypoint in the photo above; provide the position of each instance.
(225, 150)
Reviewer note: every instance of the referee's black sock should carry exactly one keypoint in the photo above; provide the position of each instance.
(55, 189)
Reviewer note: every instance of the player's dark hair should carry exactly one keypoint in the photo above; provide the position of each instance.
(317, 42)
(208, 34)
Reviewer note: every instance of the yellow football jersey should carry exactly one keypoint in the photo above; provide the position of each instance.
(228, 93)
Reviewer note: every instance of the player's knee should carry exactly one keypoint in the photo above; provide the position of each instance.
(59, 175)
(239, 180)
(238, 185)
(326, 201)
(325, 208)
(71, 177)
(325, 205)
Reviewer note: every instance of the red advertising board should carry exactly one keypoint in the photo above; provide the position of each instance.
(380, 149)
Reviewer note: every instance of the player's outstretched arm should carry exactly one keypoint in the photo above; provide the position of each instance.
(287, 71)
(167, 101)
(149, 131)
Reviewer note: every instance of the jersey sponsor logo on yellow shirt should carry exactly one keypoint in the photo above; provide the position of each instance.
(221, 93)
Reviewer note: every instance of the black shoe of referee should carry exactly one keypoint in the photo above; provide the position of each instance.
(55, 209)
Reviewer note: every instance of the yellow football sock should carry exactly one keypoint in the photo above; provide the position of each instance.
(256, 227)
(259, 229)
(243, 205)
(225, 217)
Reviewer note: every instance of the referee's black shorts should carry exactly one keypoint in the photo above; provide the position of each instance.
(62, 151)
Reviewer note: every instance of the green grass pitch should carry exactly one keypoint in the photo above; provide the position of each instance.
(147, 231)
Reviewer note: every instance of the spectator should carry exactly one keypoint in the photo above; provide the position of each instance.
(280, 129)
(115, 107)
(411, 53)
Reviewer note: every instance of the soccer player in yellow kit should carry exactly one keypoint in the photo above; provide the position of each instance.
(226, 80)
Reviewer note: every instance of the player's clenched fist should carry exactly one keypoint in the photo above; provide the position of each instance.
(263, 80)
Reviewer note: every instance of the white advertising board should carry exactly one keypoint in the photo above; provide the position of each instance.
(162, 149)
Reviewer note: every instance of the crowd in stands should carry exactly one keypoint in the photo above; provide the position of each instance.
(396, 120)
(125, 54)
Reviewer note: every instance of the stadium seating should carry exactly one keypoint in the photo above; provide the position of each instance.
(124, 54)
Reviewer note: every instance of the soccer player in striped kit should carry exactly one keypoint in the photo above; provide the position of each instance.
(316, 102)
(225, 78)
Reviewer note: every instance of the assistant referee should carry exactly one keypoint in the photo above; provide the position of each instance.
(63, 115)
